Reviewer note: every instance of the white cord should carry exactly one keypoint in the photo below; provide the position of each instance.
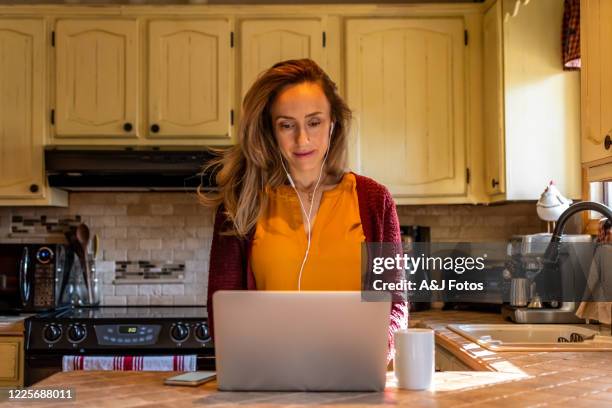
(309, 214)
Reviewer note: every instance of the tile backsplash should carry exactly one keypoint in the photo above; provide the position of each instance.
(155, 246)
(148, 272)
(475, 223)
(23, 226)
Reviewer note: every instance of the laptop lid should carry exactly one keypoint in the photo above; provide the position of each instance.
(305, 341)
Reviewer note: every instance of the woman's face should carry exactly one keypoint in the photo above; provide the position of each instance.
(301, 122)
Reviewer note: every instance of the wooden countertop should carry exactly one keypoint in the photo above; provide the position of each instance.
(13, 325)
(520, 379)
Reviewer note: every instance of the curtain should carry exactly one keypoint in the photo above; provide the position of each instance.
(571, 35)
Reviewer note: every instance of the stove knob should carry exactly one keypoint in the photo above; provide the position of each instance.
(76, 333)
(52, 333)
(179, 332)
(201, 332)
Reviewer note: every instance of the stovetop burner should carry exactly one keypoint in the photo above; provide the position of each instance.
(133, 312)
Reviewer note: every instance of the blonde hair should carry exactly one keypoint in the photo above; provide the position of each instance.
(243, 171)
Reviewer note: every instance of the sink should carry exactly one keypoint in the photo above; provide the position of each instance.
(535, 337)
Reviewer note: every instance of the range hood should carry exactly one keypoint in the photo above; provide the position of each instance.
(127, 170)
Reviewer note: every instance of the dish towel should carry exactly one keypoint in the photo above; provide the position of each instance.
(129, 363)
(598, 293)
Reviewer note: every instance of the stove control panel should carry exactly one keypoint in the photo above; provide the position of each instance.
(87, 335)
(127, 334)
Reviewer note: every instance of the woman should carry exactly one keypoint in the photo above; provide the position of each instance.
(288, 216)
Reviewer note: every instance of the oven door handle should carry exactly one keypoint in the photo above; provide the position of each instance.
(24, 282)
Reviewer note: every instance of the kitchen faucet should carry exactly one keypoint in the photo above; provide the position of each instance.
(551, 275)
(551, 255)
(552, 251)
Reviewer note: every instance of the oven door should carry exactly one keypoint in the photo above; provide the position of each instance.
(39, 367)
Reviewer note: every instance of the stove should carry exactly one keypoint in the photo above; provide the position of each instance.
(112, 330)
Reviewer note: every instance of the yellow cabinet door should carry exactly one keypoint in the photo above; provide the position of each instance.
(96, 86)
(189, 79)
(405, 82)
(263, 43)
(11, 361)
(493, 109)
(22, 62)
(596, 79)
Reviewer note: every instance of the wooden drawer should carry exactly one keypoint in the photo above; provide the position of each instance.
(11, 363)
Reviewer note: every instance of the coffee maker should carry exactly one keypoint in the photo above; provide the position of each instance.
(536, 294)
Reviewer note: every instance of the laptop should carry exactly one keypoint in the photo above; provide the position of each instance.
(300, 341)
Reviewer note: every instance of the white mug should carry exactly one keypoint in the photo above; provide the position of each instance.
(414, 362)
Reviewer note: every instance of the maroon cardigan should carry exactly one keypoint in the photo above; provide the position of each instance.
(229, 255)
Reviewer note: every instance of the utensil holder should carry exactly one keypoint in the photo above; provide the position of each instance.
(76, 290)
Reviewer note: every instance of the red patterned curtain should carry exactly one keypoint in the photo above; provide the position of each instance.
(571, 35)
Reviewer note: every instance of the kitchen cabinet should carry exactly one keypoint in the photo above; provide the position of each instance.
(22, 119)
(12, 361)
(189, 78)
(531, 109)
(96, 78)
(424, 81)
(264, 42)
(596, 61)
(493, 118)
(405, 81)
(12, 348)
(447, 361)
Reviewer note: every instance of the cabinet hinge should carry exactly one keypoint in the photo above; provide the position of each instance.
(468, 176)
(53, 38)
(324, 39)
(53, 116)
(232, 39)
(466, 37)
(232, 117)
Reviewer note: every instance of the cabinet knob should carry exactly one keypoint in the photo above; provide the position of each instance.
(34, 188)
(155, 128)
(608, 142)
(127, 127)
(494, 183)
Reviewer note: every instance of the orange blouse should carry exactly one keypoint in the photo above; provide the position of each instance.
(279, 244)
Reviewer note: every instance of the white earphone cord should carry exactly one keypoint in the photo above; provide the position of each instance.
(309, 214)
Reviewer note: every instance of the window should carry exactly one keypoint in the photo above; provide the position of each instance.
(601, 192)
